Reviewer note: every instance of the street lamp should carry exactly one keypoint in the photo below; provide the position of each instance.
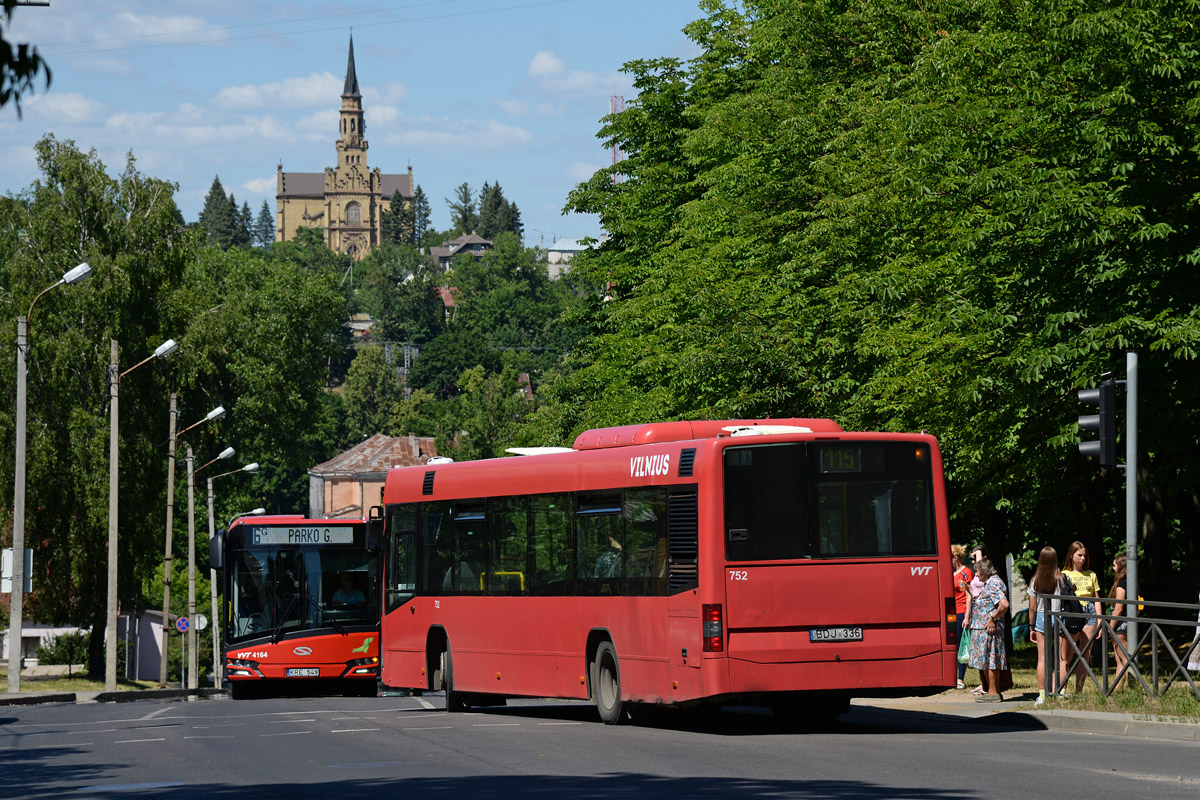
(114, 388)
(258, 512)
(215, 414)
(18, 567)
(193, 660)
(212, 573)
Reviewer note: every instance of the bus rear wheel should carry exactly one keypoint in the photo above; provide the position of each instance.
(606, 688)
(455, 701)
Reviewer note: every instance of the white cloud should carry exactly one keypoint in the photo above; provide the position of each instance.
(261, 185)
(552, 75)
(391, 93)
(514, 108)
(183, 129)
(581, 171)
(65, 107)
(162, 27)
(461, 134)
(319, 88)
(545, 64)
(320, 126)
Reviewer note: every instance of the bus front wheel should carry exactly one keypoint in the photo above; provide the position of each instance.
(607, 686)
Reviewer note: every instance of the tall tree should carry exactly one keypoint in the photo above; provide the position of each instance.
(264, 226)
(130, 231)
(397, 221)
(420, 216)
(243, 225)
(463, 216)
(219, 216)
(496, 214)
(373, 388)
(954, 222)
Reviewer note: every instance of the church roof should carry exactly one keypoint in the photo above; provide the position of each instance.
(312, 184)
(351, 87)
(391, 183)
(303, 184)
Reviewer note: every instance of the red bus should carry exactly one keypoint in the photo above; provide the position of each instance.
(782, 562)
(301, 604)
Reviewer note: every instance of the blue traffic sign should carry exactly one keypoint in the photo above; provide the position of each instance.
(182, 624)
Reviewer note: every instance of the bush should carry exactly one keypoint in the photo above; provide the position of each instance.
(69, 648)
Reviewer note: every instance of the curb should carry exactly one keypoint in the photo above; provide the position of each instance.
(130, 696)
(1110, 724)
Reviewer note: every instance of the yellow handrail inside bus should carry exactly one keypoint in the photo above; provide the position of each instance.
(483, 579)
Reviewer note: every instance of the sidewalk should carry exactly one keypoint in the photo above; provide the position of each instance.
(1018, 708)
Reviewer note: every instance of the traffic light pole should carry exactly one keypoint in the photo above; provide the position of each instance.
(1131, 487)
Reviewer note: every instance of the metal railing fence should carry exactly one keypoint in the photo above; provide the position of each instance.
(1151, 633)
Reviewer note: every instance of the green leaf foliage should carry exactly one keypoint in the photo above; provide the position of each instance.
(947, 216)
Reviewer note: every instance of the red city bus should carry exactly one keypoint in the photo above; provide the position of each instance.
(778, 562)
(301, 603)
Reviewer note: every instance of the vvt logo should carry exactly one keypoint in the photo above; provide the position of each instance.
(921, 570)
(307, 651)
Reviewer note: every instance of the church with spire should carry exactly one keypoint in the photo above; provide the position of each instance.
(346, 201)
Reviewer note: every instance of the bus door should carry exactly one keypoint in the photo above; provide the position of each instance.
(830, 552)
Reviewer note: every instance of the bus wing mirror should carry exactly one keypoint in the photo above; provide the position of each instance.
(216, 551)
(375, 527)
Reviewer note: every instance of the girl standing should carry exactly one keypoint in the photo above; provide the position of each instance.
(1086, 585)
(1045, 581)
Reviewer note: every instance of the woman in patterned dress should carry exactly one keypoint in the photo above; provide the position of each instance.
(987, 652)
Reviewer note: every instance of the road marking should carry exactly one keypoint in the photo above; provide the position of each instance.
(496, 725)
(425, 703)
(339, 719)
(560, 723)
(354, 730)
(154, 714)
(437, 728)
(136, 741)
(285, 733)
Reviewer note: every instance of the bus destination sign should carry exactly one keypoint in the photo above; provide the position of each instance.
(303, 534)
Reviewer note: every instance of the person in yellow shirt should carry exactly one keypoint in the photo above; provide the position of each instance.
(1086, 585)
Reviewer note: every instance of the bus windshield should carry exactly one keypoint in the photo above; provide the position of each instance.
(285, 589)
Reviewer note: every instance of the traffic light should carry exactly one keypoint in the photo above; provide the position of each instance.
(1104, 423)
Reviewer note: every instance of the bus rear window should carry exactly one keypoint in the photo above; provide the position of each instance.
(764, 503)
(872, 499)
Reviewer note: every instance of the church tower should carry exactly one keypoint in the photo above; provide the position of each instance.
(348, 201)
(351, 146)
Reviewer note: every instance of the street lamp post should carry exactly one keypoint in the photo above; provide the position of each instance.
(193, 656)
(168, 556)
(16, 610)
(114, 388)
(212, 573)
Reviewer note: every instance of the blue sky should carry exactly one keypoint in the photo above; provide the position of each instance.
(463, 90)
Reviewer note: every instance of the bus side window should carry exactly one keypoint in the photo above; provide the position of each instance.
(508, 558)
(599, 544)
(470, 530)
(401, 557)
(645, 512)
(437, 540)
(550, 535)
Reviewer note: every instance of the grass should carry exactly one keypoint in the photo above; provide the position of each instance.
(72, 683)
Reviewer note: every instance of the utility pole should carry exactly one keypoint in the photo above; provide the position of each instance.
(164, 660)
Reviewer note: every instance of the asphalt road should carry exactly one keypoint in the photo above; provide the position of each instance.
(335, 747)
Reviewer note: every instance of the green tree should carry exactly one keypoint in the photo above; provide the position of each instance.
(397, 221)
(129, 230)
(243, 230)
(19, 66)
(373, 388)
(218, 217)
(420, 216)
(496, 214)
(942, 217)
(264, 227)
(463, 216)
(486, 414)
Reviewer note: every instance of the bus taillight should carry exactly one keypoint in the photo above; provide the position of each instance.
(951, 622)
(714, 638)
